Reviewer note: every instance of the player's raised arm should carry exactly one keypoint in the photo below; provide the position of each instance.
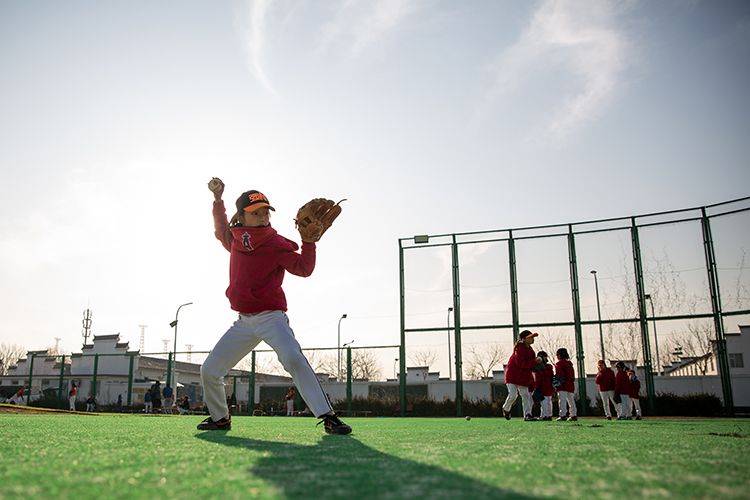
(221, 225)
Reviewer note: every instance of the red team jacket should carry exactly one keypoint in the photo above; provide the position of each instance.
(622, 383)
(258, 258)
(635, 389)
(605, 379)
(543, 381)
(520, 364)
(564, 368)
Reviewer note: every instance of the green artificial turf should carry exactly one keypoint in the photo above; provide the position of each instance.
(107, 456)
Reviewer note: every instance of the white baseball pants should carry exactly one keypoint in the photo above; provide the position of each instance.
(289, 407)
(248, 331)
(607, 396)
(545, 409)
(513, 392)
(72, 400)
(567, 403)
(624, 406)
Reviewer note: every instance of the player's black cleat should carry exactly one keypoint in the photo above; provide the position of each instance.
(547, 419)
(506, 414)
(333, 425)
(224, 424)
(572, 419)
(561, 419)
(529, 418)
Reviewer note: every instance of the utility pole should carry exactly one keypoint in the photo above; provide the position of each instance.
(143, 337)
(57, 344)
(165, 343)
(86, 325)
(189, 349)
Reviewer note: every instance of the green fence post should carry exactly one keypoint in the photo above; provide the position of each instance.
(457, 329)
(349, 381)
(130, 380)
(93, 380)
(638, 268)
(169, 369)
(251, 384)
(721, 342)
(402, 348)
(31, 378)
(60, 382)
(513, 286)
(575, 293)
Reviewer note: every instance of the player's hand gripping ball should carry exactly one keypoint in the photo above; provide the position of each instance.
(315, 217)
(216, 186)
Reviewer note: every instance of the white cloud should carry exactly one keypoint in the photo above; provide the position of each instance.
(252, 26)
(581, 39)
(361, 23)
(355, 25)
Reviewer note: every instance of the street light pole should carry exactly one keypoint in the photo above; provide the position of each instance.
(338, 349)
(450, 309)
(599, 313)
(656, 338)
(174, 350)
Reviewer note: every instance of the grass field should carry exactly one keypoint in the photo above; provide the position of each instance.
(59, 455)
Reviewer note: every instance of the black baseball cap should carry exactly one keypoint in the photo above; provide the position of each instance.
(252, 200)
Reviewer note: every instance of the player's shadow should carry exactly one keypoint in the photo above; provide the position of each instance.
(341, 466)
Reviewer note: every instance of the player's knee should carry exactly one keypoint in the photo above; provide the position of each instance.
(293, 361)
(209, 370)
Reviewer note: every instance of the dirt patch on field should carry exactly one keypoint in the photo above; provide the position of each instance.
(6, 408)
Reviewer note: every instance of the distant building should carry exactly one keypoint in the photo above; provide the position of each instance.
(738, 350)
(112, 373)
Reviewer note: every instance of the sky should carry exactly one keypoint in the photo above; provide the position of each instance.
(429, 117)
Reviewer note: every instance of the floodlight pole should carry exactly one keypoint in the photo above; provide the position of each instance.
(338, 349)
(450, 309)
(173, 378)
(656, 338)
(599, 313)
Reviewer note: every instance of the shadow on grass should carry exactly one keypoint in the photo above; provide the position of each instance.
(341, 466)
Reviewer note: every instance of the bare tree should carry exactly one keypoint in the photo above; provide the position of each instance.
(9, 356)
(669, 295)
(323, 362)
(550, 340)
(481, 360)
(423, 358)
(365, 365)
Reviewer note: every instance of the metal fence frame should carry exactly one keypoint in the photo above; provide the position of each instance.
(568, 230)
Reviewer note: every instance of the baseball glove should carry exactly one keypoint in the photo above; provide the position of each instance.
(557, 381)
(315, 217)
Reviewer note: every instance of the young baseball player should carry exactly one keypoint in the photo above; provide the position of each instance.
(622, 391)
(518, 377)
(258, 259)
(564, 371)
(635, 397)
(72, 396)
(605, 381)
(543, 385)
(290, 395)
